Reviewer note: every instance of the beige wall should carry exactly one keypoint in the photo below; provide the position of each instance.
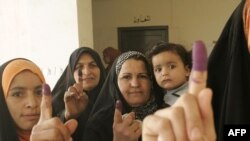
(188, 20)
(85, 23)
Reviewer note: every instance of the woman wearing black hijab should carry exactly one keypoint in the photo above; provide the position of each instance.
(85, 72)
(101, 120)
(229, 73)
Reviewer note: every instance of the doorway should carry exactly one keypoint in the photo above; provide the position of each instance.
(141, 38)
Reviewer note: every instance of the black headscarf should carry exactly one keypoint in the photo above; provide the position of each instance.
(229, 74)
(99, 125)
(67, 79)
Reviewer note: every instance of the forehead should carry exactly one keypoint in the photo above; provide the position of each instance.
(86, 58)
(133, 65)
(166, 56)
(26, 78)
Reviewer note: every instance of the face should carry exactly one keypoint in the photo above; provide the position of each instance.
(169, 70)
(90, 72)
(134, 82)
(24, 98)
(106, 58)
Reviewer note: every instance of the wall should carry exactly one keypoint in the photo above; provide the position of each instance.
(45, 31)
(85, 22)
(188, 20)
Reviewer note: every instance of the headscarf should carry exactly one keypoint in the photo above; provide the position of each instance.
(67, 79)
(8, 71)
(100, 122)
(229, 74)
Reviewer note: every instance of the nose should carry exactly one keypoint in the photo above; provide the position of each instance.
(33, 100)
(86, 70)
(164, 72)
(135, 82)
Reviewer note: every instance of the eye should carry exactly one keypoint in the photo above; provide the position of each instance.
(78, 67)
(171, 66)
(93, 65)
(144, 76)
(126, 77)
(17, 94)
(157, 69)
(38, 91)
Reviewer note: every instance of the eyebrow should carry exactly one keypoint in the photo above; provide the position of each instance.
(22, 88)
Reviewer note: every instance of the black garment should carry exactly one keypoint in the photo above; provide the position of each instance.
(67, 80)
(229, 74)
(7, 125)
(99, 125)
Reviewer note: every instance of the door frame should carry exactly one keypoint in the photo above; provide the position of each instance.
(120, 30)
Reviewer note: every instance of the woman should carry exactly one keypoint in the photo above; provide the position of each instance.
(132, 86)
(78, 87)
(20, 97)
(109, 56)
(228, 71)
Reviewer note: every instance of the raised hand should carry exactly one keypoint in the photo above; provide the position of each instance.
(76, 101)
(49, 128)
(191, 117)
(125, 128)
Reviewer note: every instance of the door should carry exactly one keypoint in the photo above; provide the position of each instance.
(141, 38)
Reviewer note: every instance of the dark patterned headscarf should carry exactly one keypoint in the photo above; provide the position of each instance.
(103, 111)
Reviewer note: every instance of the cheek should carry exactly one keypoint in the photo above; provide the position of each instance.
(122, 87)
(76, 76)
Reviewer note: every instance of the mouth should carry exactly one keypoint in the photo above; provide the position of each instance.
(135, 93)
(31, 116)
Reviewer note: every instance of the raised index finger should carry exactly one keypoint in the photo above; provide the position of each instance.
(198, 77)
(46, 104)
(118, 114)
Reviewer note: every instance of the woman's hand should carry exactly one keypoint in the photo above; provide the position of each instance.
(49, 128)
(125, 128)
(76, 101)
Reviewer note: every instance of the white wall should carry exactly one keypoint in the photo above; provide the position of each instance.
(45, 31)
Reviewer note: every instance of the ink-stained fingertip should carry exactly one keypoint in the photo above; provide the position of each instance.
(199, 56)
(46, 89)
(118, 105)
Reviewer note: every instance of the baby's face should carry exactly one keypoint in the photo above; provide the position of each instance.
(169, 70)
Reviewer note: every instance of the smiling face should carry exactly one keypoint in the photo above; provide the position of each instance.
(169, 70)
(134, 82)
(24, 98)
(90, 72)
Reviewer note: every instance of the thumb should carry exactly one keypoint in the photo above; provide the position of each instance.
(118, 114)
(46, 104)
(71, 125)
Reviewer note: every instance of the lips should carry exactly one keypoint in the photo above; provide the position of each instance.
(137, 92)
(31, 116)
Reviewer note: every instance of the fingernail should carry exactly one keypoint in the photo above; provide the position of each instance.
(118, 105)
(199, 56)
(46, 89)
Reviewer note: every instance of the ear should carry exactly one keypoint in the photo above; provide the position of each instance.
(188, 71)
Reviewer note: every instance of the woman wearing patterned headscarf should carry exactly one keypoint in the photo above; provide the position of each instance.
(129, 81)
(229, 71)
(20, 98)
(78, 87)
